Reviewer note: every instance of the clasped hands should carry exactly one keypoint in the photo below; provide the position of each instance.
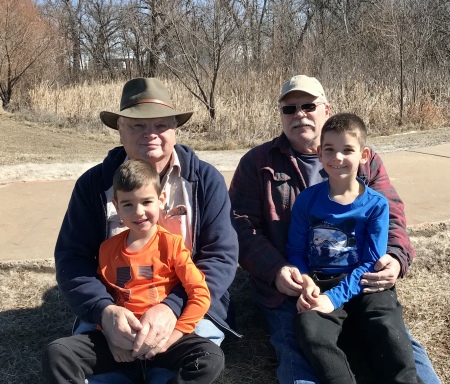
(129, 338)
(290, 282)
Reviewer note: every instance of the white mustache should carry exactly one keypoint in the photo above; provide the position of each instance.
(303, 121)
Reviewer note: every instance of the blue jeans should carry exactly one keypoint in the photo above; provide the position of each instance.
(154, 375)
(293, 368)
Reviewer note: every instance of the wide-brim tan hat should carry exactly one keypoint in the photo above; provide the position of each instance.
(302, 83)
(144, 98)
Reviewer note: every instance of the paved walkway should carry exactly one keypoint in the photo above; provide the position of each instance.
(32, 212)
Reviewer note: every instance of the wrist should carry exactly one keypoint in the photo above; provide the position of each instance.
(107, 311)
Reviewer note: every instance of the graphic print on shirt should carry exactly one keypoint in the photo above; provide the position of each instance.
(332, 245)
(135, 293)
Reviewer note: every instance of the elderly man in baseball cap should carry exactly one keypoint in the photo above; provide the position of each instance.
(262, 192)
(197, 207)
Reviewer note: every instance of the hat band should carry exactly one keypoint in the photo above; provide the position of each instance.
(141, 101)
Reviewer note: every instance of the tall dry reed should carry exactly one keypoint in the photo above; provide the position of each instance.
(246, 108)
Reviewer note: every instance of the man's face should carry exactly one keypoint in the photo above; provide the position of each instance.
(150, 140)
(303, 128)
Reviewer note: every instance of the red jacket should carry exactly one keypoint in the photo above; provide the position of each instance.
(262, 193)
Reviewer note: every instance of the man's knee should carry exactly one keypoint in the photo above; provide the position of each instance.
(54, 352)
(57, 363)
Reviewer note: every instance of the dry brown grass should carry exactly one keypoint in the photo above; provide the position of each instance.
(33, 312)
(246, 108)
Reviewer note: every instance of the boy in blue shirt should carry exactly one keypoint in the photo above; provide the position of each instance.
(338, 230)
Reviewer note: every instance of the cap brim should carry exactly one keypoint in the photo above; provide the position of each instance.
(144, 111)
(315, 94)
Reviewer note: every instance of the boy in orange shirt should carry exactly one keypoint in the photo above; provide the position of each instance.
(139, 267)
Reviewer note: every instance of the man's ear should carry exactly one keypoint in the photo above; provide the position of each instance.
(327, 110)
(365, 155)
(114, 201)
(319, 152)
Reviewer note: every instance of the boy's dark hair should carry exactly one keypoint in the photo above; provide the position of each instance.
(348, 123)
(133, 174)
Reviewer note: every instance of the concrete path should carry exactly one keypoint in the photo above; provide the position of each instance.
(32, 212)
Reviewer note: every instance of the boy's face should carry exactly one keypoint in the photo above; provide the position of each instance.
(139, 209)
(341, 154)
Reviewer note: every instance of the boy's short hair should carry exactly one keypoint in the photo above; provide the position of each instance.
(133, 174)
(348, 123)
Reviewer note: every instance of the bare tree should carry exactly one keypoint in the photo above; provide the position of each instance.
(24, 39)
(100, 34)
(145, 32)
(203, 45)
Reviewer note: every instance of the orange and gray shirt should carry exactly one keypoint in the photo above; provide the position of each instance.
(139, 280)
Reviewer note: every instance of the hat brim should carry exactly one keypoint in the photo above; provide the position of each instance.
(299, 89)
(144, 111)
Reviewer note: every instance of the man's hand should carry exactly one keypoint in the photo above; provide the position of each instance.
(120, 327)
(388, 270)
(158, 324)
(121, 355)
(289, 280)
(175, 336)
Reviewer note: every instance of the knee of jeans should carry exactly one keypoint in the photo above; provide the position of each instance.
(207, 329)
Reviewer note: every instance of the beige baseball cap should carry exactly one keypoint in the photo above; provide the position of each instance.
(302, 83)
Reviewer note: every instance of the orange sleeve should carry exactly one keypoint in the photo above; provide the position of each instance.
(194, 283)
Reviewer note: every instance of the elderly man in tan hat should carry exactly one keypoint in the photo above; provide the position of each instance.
(197, 207)
(263, 190)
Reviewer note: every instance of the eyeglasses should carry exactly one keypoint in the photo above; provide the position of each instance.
(307, 107)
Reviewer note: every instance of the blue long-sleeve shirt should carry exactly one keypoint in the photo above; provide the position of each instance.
(332, 238)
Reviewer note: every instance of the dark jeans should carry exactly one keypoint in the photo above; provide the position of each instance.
(377, 322)
(69, 359)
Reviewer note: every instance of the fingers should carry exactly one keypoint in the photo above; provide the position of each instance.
(158, 323)
(296, 276)
(388, 270)
(289, 280)
(158, 348)
(302, 305)
(377, 282)
(122, 356)
(139, 346)
(311, 292)
(116, 326)
(316, 292)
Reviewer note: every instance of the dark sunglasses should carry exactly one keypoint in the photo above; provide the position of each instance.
(307, 107)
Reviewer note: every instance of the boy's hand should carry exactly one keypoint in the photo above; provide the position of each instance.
(309, 293)
(322, 304)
